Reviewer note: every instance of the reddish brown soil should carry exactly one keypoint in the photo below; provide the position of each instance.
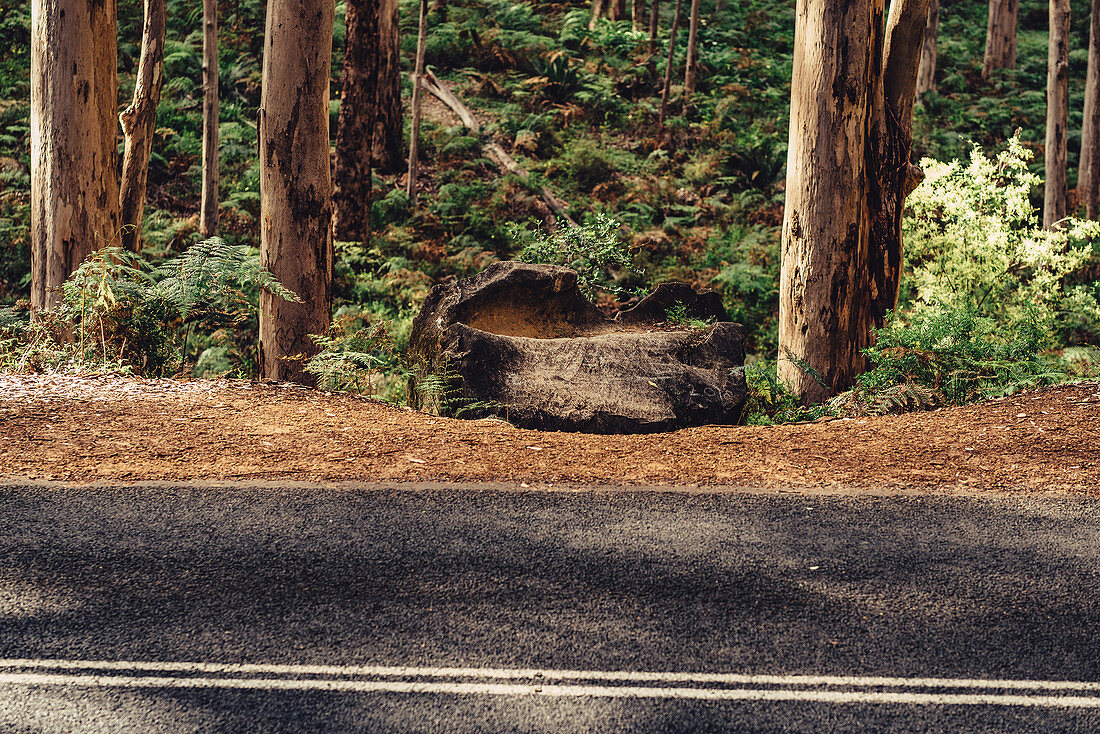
(85, 429)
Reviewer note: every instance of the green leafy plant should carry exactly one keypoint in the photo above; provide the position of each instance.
(769, 401)
(353, 355)
(974, 241)
(593, 250)
(952, 356)
(119, 312)
(677, 314)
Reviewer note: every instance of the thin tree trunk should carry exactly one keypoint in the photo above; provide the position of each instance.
(668, 66)
(1000, 36)
(388, 137)
(418, 80)
(926, 73)
(1054, 193)
(719, 8)
(654, 24)
(74, 129)
(598, 8)
(1088, 174)
(208, 215)
(138, 123)
(355, 128)
(295, 183)
(692, 53)
(637, 15)
(852, 94)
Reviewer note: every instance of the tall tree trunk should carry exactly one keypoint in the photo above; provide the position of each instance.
(418, 83)
(355, 131)
(1088, 174)
(1054, 193)
(851, 95)
(692, 53)
(388, 132)
(138, 123)
(208, 214)
(654, 24)
(668, 66)
(74, 132)
(926, 73)
(295, 182)
(1000, 36)
(637, 15)
(618, 9)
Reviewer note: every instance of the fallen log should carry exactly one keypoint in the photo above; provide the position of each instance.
(443, 93)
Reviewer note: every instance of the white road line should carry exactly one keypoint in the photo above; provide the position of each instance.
(549, 674)
(498, 689)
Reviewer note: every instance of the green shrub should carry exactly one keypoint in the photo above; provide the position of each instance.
(119, 312)
(973, 241)
(594, 250)
(959, 356)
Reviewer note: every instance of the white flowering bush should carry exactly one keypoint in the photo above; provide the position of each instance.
(974, 242)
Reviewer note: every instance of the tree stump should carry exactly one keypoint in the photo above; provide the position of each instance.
(521, 342)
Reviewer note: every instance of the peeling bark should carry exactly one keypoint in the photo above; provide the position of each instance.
(208, 214)
(1000, 36)
(1054, 192)
(138, 123)
(848, 173)
(74, 129)
(295, 183)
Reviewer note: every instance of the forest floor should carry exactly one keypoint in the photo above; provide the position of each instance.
(95, 429)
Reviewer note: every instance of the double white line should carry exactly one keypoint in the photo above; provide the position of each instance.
(559, 683)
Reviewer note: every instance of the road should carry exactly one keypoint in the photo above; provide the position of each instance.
(298, 609)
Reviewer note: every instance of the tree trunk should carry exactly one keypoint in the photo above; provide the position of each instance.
(692, 53)
(654, 24)
(852, 96)
(388, 133)
(598, 8)
(295, 182)
(418, 81)
(74, 132)
(355, 130)
(1088, 174)
(1000, 36)
(1054, 193)
(637, 15)
(618, 9)
(926, 73)
(668, 66)
(208, 215)
(719, 8)
(138, 123)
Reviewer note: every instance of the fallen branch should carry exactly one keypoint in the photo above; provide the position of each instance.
(440, 90)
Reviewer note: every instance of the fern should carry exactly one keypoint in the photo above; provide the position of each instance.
(211, 271)
(350, 360)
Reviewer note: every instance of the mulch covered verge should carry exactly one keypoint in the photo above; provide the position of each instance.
(88, 428)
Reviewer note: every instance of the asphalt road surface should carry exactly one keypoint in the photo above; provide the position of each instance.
(281, 609)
